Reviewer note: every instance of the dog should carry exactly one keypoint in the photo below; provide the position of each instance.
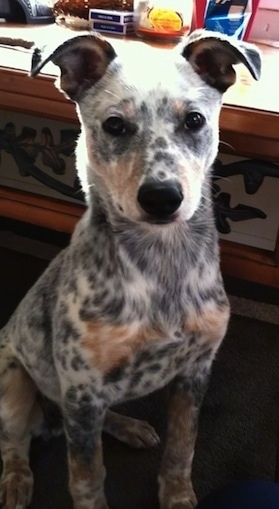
(136, 301)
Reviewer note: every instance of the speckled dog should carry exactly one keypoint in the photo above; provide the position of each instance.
(136, 301)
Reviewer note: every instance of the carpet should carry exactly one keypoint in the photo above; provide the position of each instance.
(238, 423)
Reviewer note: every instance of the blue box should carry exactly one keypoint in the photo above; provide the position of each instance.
(113, 28)
(228, 17)
(122, 17)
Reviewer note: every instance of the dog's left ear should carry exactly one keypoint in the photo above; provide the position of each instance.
(212, 55)
(82, 60)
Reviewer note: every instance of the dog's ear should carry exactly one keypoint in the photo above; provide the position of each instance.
(213, 55)
(82, 60)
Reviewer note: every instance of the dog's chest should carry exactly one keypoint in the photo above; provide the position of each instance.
(135, 330)
(149, 369)
(137, 357)
(132, 360)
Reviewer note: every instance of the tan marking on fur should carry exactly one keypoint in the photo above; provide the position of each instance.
(18, 390)
(129, 109)
(179, 107)
(19, 410)
(128, 177)
(19, 414)
(182, 417)
(122, 181)
(211, 322)
(16, 463)
(17, 478)
(175, 472)
(86, 481)
(110, 345)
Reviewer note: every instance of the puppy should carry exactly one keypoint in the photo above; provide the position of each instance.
(136, 301)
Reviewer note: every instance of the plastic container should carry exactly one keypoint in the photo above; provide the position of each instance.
(165, 20)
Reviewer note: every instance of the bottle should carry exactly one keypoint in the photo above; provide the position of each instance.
(166, 20)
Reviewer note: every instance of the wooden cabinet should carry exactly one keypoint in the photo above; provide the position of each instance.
(249, 127)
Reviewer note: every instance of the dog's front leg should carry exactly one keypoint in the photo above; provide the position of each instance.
(186, 394)
(175, 485)
(83, 418)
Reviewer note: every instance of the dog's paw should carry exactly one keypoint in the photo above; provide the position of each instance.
(133, 432)
(16, 489)
(140, 434)
(176, 496)
(183, 501)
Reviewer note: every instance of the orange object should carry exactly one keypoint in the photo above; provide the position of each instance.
(163, 19)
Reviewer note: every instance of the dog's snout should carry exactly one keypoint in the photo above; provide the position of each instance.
(160, 199)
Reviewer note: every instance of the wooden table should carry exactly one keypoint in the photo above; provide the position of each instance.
(249, 126)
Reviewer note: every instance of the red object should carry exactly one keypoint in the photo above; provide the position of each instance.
(255, 4)
(199, 11)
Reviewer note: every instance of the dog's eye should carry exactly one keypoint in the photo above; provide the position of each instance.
(194, 120)
(114, 125)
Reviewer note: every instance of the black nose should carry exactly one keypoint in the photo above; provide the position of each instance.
(160, 199)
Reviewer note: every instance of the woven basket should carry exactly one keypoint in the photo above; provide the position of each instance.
(80, 8)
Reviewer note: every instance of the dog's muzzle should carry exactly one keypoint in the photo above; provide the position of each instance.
(160, 200)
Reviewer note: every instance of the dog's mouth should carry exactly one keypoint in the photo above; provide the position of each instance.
(161, 220)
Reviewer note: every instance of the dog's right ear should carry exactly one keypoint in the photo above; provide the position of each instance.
(213, 55)
(82, 60)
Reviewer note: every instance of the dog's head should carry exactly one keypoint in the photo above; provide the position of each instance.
(149, 117)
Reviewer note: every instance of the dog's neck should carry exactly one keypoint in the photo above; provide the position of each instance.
(137, 237)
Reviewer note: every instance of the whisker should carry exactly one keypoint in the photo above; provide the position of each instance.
(227, 179)
(227, 145)
(111, 93)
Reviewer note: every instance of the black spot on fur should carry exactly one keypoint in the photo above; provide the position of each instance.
(115, 375)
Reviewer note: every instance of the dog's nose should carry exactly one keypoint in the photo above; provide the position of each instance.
(160, 199)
